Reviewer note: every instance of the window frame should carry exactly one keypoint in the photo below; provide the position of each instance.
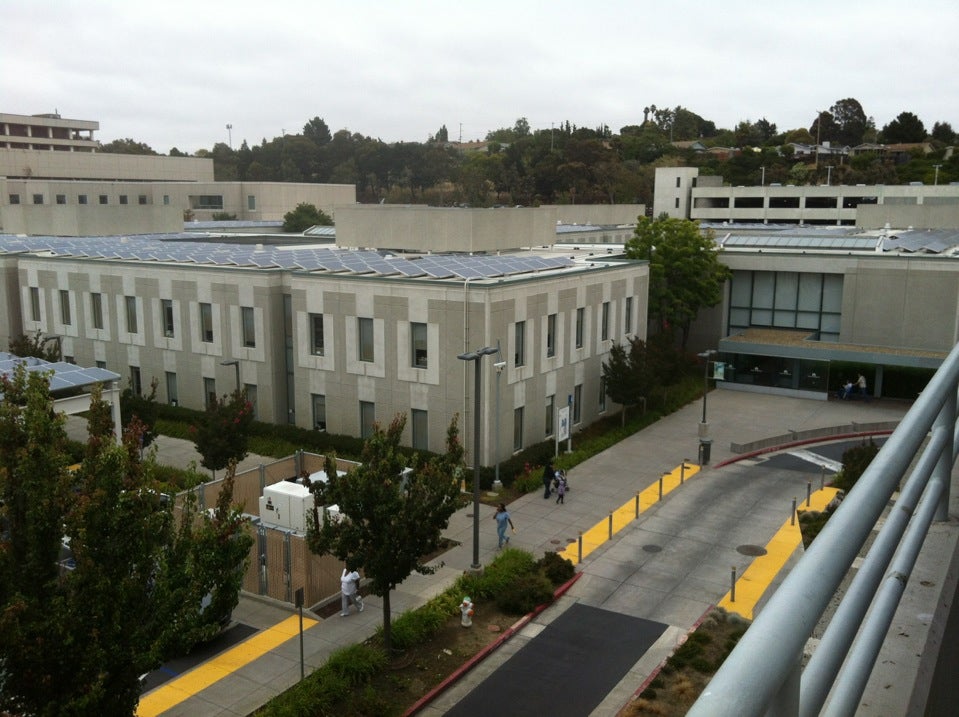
(248, 327)
(317, 340)
(419, 345)
(551, 336)
(365, 350)
(65, 316)
(580, 326)
(206, 322)
(519, 349)
(167, 318)
(96, 309)
(130, 306)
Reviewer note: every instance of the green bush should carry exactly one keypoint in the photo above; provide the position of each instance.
(356, 664)
(508, 566)
(416, 626)
(855, 461)
(557, 570)
(524, 594)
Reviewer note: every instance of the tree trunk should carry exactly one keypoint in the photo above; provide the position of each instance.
(387, 633)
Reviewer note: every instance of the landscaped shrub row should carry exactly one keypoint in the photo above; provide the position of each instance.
(343, 681)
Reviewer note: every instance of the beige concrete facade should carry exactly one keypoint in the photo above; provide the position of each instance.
(681, 192)
(599, 214)
(150, 323)
(46, 164)
(47, 132)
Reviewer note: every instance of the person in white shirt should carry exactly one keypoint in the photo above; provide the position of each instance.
(349, 591)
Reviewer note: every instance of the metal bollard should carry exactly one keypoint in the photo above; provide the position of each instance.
(809, 494)
(792, 518)
(822, 477)
(637, 504)
(732, 589)
(610, 525)
(660, 488)
(579, 556)
(682, 472)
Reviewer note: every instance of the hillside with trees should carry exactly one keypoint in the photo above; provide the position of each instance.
(566, 164)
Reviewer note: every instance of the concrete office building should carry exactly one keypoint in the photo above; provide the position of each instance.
(335, 339)
(54, 182)
(683, 193)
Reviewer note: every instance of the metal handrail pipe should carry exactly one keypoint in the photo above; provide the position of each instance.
(765, 658)
(823, 666)
(854, 676)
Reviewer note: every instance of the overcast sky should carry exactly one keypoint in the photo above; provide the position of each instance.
(174, 73)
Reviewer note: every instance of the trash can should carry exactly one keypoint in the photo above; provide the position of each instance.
(705, 445)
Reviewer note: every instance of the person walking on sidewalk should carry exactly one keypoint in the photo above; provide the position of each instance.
(502, 518)
(548, 475)
(560, 487)
(350, 591)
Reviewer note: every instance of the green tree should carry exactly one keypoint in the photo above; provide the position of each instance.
(37, 345)
(685, 272)
(305, 216)
(625, 377)
(126, 146)
(389, 522)
(943, 132)
(75, 637)
(905, 128)
(223, 431)
(317, 131)
(142, 407)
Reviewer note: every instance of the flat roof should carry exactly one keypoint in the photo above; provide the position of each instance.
(65, 375)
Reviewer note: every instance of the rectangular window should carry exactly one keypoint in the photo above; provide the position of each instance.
(316, 335)
(628, 313)
(101, 364)
(367, 418)
(319, 411)
(518, 429)
(136, 385)
(677, 203)
(123, 199)
(131, 311)
(249, 330)
(141, 199)
(38, 199)
(577, 403)
(519, 358)
(550, 415)
(580, 319)
(81, 199)
(678, 182)
(172, 396)
(14, 198)
(166, 307)
(418, 345)
(65, 317)
(605, 322)
(35, 303)
(602, 394)
(249, 392)
(209, 392)
(551, 336)
(61, 199)
(365, 327)
(208, 201)
(251, 202)
(104, 199)
(166, 200)
(420, 424)
(96, 308)
(206, 322)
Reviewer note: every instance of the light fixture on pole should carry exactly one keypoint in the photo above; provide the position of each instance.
(935, 180)
(229, 130)
(705, 355)
(476, 357)
(829, 175)
(236, 365)
(499, 366)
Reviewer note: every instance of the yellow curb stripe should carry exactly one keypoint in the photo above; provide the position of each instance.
(190, 683)
(757, 578)
(595, 536)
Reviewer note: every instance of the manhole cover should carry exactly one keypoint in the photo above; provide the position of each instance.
(555, 542)
(652, 548)
(751, 550)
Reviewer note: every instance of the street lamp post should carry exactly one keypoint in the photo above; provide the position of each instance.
(499, 366)
(229, 130)
(705, 355)
(236, 365)
(828, 175)
(476, 357)
(935, 181)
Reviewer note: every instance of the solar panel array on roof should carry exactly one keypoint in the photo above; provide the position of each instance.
(65, 375)
(842, 242)
(934, 241)
(153, 248)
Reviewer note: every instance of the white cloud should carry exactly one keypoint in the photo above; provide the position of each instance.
(175, 73)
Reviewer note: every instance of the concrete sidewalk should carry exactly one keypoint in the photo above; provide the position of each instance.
(599, 485)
